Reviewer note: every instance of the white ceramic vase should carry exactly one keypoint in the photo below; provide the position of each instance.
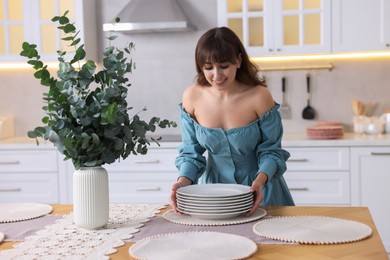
(90, 197)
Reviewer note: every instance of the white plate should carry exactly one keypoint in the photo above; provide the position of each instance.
(1, 237)
(217, 190)
(193, 246)
(217, 207)
(213, 199)
(13, 212)
(215, 216)
(213, 211)
(312, 230)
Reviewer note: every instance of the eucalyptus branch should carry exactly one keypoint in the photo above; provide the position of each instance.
(90, 126)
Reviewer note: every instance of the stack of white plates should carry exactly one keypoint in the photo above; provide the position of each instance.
(214, 201)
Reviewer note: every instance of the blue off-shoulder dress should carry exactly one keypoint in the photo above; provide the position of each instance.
(236, 155)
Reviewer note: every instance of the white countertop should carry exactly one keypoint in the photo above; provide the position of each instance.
(349, 139)
(289, 139)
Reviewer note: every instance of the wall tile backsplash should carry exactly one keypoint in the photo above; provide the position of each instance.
(165, 67)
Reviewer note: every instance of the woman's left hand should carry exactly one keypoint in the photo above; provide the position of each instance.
(257, 190)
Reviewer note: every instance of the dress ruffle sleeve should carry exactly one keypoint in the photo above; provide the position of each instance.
(271, 157)
(190, 162)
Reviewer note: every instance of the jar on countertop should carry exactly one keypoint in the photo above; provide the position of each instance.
(375, 125)
(386, 117)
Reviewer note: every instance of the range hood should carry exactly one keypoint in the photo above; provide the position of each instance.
(151, 16)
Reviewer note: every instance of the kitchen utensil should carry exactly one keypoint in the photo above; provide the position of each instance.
(308, 112)
(367, 108)
(284, 109)
(357, 107)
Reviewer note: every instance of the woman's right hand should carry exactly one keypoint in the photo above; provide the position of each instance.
(181, 182)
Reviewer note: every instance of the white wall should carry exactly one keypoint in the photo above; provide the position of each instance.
(165, 67)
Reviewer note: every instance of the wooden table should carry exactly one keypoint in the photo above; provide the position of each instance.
(370, 248)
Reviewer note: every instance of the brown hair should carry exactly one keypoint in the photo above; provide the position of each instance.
(220, 45)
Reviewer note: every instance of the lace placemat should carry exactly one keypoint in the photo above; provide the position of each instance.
(312, 229)
(64, 240)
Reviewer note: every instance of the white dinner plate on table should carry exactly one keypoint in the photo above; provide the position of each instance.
(213, 191)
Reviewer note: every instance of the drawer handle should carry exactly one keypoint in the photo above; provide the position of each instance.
(387, 154)
(299, 189)
(298, 160)
(9, 162)
(10, 189)
(146, 161)
(147, 189)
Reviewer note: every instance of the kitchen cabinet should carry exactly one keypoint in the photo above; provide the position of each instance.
(319, 175)
(28, 175)
(360, 25)
(370, 168)
(30, 20)
(140, 179)
(276, 27)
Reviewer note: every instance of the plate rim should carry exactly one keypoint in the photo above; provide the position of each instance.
(242, 189)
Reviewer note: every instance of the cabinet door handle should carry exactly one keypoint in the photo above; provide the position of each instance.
(9, 162)
(10, 189)
(146, 161)
(147, 189)
(299, 189)
(298, 160)
(385, 154)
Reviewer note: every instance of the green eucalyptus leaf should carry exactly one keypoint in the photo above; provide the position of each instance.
(112, 37)
(68, 28)
(32, 134)
(53, 137)
(118, 143)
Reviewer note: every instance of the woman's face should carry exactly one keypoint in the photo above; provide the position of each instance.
(220, 75)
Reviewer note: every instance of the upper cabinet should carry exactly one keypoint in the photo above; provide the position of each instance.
(30, 20)
(360, 25)
(276, 27)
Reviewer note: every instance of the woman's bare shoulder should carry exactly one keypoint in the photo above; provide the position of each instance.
(190, 97)
(263, 100)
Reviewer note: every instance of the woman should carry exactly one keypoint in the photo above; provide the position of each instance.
(230, 113)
